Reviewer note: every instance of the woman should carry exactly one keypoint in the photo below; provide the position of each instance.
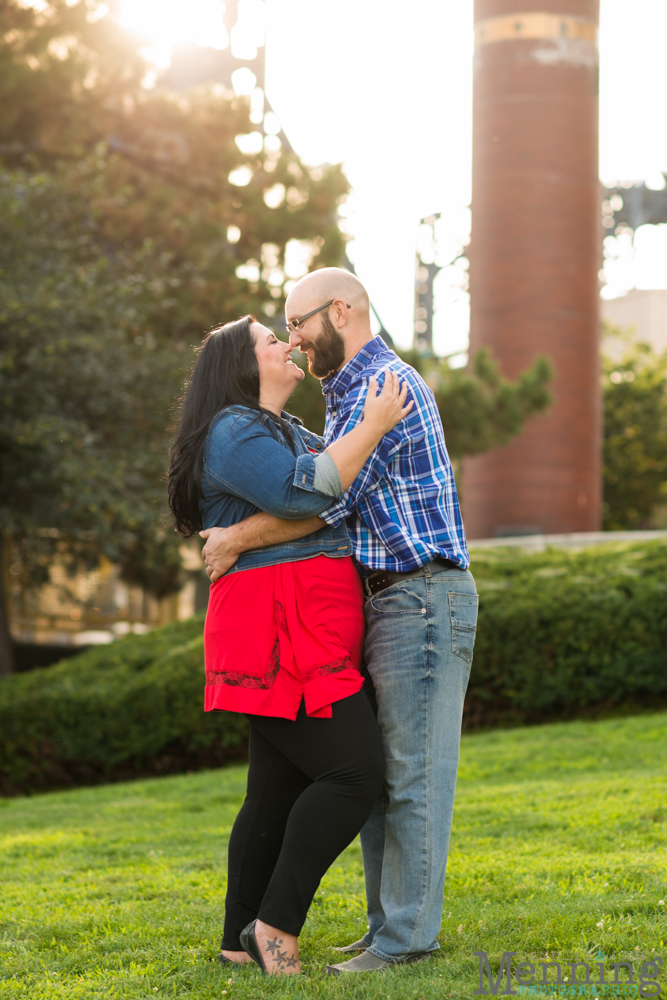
(284, 629)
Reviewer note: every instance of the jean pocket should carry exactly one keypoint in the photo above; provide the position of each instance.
(463, 619)
(398, 600)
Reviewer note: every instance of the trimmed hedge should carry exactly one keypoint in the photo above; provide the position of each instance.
(135, 707)
(560, 633)
(563, 630)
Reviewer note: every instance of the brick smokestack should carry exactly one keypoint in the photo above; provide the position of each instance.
(534, 257)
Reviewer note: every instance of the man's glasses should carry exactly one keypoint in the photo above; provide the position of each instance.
(295, 325)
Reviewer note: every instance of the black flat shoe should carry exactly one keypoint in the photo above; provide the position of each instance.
(249, 944)
(224, 960)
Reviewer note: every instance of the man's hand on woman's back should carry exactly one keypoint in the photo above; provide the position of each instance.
(225, 545)
(219, 553)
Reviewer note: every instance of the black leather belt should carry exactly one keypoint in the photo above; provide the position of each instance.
(385, 578)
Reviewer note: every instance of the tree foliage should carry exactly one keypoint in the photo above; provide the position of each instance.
(85, 395)
(481, 410)
(635, 437)
(172, 170)
(66, 75)
(130, 223)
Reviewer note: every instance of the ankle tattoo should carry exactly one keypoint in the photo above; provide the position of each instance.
(283, 959)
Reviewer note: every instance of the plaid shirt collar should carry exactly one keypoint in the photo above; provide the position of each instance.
(338, 383)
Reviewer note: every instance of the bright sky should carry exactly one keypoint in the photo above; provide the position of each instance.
(385, 88)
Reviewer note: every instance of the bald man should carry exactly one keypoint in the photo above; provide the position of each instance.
(403, 518)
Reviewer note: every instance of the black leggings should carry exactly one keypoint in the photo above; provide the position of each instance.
(311, 787)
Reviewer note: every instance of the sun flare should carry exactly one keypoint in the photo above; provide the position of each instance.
(166, 23)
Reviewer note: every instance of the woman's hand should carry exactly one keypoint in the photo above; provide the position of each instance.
(381, 412)
(384, 410)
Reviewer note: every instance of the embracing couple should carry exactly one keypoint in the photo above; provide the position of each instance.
(341, 621)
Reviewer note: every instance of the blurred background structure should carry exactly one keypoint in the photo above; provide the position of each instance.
(535, 257)
(641, 314)
(96, 606)
(240, 67)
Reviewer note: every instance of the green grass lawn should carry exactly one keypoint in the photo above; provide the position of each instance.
(558, 853)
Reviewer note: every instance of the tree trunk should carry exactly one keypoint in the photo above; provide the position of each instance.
(6, 646)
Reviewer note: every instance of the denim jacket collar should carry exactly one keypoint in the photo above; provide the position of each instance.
(339, 383)
(308, 440)
(289, 417)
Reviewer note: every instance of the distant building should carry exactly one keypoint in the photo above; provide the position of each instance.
(98, 606)
(644, 312)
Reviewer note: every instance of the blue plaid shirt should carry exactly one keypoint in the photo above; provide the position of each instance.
(402, 509)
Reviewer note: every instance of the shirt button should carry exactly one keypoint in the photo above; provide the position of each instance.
(334, 413)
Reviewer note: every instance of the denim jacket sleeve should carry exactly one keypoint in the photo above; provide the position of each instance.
(242, 457)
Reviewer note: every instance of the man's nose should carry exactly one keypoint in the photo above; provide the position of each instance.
(295, 339)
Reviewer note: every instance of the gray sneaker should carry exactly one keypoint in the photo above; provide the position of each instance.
(354, 948)
(366, 962)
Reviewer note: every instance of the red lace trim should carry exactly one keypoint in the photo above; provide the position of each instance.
(328, 668)
(267, 680)
(233, 679)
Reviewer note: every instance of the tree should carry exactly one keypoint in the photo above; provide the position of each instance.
(481, 410)
(130, 223)
(66, 77)
(174, 170)
(635, 437)
(85, 397)
(229, 253)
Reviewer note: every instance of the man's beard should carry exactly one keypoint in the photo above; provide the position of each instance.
(328, 350)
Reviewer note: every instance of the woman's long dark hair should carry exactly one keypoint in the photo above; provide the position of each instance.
(225, 374)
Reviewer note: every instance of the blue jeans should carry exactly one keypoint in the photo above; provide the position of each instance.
(418, 651)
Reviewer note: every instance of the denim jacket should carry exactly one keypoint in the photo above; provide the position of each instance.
(249, 466)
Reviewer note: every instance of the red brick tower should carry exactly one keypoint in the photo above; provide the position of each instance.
(534, 257)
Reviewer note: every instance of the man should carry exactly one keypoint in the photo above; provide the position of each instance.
(404, 522)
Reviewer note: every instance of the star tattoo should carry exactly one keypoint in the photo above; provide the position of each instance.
(280, 957)
(272, 945)
(291, 962)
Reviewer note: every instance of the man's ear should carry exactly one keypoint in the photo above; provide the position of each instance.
(341, 313)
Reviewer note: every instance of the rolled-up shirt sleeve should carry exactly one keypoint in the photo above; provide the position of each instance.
(327, 477)
(244, 459)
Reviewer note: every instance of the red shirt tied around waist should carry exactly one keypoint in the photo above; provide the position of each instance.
(277, 635)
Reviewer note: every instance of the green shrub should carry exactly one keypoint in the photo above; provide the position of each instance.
(560, 633)
(562, 630)
(115, 712)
